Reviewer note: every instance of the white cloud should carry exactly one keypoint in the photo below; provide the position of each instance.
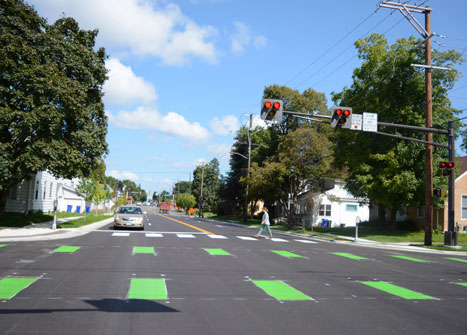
(219, 150)
(124, 86)
(257, 121)
(143, 27)
(228, 124)
(188, 165)
(242, 37)
(149, 118)
(123, 175)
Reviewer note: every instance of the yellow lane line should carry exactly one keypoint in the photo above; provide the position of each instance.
(189, 225)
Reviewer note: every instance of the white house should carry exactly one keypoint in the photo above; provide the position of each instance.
(39, 193)
(335, 207)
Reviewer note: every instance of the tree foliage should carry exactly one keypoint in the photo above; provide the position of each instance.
(185, 200)
(208, 176)
(51, 111)
(388, 171)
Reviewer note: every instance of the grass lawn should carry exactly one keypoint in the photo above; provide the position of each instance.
(90, 218)
(21, 220)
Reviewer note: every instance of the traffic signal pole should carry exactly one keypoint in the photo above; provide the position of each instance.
(450, 236)
(407, 10)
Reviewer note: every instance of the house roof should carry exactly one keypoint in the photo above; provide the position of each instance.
(461, 165)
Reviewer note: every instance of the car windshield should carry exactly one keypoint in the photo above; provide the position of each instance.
(130, 210)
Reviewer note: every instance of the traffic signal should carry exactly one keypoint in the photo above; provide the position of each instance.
(341, 117)
(447, 167)
(439, 192)
(271, 109)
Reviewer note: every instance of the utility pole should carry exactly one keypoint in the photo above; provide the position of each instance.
(425, 32)
(201, 193)
(245, 209)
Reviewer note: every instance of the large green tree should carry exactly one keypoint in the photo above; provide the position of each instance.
(391, 172)
(51, 111)
(207, 176)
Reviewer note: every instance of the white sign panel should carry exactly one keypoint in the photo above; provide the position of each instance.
(370, 122)
(357, 121)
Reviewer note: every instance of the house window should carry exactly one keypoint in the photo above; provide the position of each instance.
(421, 212)
(351, 208)
(45, 190)
(464, 207)
(325, 210)
(36, 195)
(50, 193)
(14, 192)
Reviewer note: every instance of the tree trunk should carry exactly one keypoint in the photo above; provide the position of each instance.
(3, 199)
(392, 221)
(381, 215)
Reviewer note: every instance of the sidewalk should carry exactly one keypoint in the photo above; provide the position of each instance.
(44, 231)
(404, 246)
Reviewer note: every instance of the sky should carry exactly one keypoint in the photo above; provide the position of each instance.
(185, 75)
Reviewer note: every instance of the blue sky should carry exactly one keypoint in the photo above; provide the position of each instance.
(185, 75)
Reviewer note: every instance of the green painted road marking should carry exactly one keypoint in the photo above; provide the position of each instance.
(9, 287)
(286, 254)
(147, 289)
(461, 284)
(457, 259)
(66, 248)
(217, 252)
(411, 259)
(280, 290)
(143, 250)
(3, 245)
(344, 254)
(397, 290)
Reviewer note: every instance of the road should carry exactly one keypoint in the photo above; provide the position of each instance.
(194, 276)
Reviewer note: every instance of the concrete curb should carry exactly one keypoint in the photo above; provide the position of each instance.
(56, 234)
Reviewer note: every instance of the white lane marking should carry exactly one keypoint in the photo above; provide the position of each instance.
(154, 235)
(278, 240)
(247, 238)
(121, 234)
(186, 235)
(217, 236)
(305, 241)
(219, 226)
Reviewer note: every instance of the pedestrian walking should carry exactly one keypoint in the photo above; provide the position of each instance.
(265, 224)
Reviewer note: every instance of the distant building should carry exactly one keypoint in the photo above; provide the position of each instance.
(39, 192)
(333, 208)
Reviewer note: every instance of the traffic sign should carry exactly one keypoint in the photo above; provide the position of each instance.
(357, 122)
(370, 122)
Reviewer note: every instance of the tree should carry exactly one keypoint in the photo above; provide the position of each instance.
(185, 200)
(87, 188)
(208, 176)
(51, 111)
(304, 159)
(391, 172)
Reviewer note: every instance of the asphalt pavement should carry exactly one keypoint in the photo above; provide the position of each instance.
(185, 275)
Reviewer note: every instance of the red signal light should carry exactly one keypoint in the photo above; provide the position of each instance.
(442, 165)
(450, 165)
(346, 113)
(339, 112)
(268, 104)
(277, 105)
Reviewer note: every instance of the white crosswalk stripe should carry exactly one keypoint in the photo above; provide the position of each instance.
(186, 236)
(306, 241)
(154, 235)
(220, 237)
(247, 238)
(279, 240)
(121, 234)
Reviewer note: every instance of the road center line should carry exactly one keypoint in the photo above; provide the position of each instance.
(188, 225)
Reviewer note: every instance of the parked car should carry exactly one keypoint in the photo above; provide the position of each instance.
(129, 217)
